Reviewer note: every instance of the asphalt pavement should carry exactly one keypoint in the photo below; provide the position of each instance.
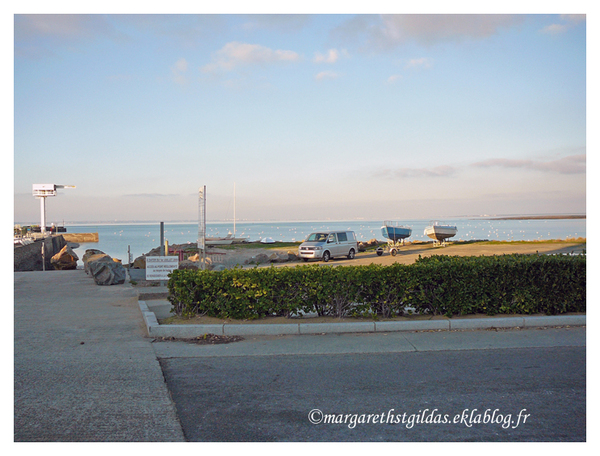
(83, 369)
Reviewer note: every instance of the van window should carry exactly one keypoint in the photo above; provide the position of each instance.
(351, 236)
(317, 237)
(342, 237)
(331, 238)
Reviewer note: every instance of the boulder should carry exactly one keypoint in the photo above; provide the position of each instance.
(89, 252)
(107, 272)
(139, 262)
(104, 269)
(187, 264)
(95, 258)
(258, 259)
(279, 257)
(362, 246)
(65, 259)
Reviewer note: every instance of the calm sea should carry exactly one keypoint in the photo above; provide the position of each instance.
(114, 240)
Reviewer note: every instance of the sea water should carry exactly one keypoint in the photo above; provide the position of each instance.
(117, 239)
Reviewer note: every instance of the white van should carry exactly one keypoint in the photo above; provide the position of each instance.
(329, 244)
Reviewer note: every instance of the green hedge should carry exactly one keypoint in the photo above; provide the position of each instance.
(438, 285)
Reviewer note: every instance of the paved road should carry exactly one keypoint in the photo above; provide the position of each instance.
(264, 389)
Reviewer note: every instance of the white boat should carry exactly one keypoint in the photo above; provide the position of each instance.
(227, 240)
(440, 232)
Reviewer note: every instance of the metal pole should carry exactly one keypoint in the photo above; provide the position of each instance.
(162, 237)
(204, 230)
(234, 209)
(43, 215)
(202, 226)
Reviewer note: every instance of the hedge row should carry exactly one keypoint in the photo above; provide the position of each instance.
(438, 285)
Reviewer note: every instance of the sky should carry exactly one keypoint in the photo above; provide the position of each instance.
(307, 116)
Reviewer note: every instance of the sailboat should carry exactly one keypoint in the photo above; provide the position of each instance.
(230, 238)
(439, 232)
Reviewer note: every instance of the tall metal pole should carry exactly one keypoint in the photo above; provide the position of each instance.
(43, 215)
(162, 239)
(202, 226)
(234, 209)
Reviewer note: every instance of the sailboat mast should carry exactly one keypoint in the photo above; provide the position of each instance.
(234, 209)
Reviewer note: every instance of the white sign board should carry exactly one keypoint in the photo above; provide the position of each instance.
(159, 267)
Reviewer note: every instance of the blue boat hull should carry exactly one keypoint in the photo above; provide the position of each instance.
(395, 233)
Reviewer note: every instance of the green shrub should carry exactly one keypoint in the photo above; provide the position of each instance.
(438, 285)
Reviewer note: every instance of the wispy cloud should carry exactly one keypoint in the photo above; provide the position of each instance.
(236, 54)
(38, 35)
(422, 62)
(393, 78)
(178, 71)
(568, 21)
(150, 195)
(390, 31)
(331, 56)
(435, 171)
(573, 164)
(326, 75)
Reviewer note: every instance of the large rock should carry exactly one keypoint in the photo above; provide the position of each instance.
(95, 258)
(259, 259)
(362, 246)
(107, 272)
(104, 269)
(89, 252)
(65, 259)
(139, 262)
(187, 264)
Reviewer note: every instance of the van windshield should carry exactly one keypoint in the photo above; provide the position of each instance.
(317, 237)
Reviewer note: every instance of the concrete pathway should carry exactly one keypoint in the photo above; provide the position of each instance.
(83, 368)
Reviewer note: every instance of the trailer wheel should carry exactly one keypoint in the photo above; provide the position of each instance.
(379, 251)
(393, 252)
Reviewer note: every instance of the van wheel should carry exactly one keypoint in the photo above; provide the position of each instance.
(351, 254)
(305, 260)
(326, 256)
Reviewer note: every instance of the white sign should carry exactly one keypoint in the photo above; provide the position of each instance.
(159, 267)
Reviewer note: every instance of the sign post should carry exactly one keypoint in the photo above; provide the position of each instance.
(159, 267)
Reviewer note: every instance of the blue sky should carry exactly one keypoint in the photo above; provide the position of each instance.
(311, 116)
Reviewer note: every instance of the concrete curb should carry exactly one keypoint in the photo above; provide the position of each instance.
(189, 331)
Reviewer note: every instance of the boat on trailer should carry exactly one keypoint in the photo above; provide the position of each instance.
(395, 233)
(440, 232)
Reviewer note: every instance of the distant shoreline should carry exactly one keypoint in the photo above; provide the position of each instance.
(540, 217)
